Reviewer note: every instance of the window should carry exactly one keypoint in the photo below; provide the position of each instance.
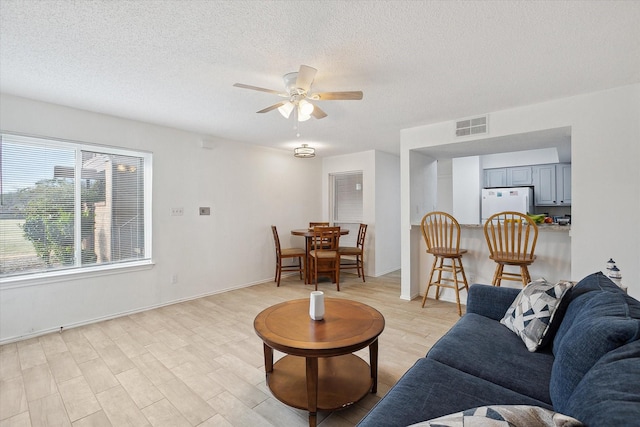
(71, 206)
(346, 200)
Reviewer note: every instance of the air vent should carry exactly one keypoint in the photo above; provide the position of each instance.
(472, 126)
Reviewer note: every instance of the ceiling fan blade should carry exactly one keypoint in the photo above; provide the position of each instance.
(273, 107)
(318, 113)
(261, 89)
(306, 75)
(333, 96)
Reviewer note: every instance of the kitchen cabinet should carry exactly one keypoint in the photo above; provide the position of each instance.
(552, 184)
(519, 176)
(563, 184)
(495, 177)
(508, 177)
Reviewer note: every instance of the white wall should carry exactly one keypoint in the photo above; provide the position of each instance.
(248, 188)
(605, 130)
(424, 185)
(381, 209)
(467, 181)
(387, 227)
(520, 158)
(445, 184)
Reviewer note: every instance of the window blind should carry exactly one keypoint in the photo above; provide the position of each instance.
(67, 205)
(348, 201)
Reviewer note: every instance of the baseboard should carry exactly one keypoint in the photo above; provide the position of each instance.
(42, 332)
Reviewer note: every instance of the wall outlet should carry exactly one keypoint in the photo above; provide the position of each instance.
(174, 279)
(205, 211)
(177, 211)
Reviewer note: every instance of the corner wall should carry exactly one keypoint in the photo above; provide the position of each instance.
(605, 176)
(381, 209)
(248, 188)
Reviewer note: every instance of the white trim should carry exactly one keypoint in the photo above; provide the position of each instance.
(70, 143)
(127, 313)
(64, 275)
(78, 271)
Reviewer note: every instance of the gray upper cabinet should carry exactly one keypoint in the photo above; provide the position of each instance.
(544, 181)
(508, 177)
(521, 175)
(563, 184)
(552, 184)
(495, 177)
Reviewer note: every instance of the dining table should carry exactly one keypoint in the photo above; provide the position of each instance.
(307, 233)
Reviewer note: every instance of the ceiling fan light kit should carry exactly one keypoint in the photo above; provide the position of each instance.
(304, 152)
(298, 91)
(286, 109)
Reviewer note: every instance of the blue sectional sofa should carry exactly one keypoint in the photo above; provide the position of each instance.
(589, 369)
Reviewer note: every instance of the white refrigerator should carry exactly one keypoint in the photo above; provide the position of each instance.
(518, 199)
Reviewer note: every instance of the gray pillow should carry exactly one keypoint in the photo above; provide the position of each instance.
(503, 416)
(533, 310)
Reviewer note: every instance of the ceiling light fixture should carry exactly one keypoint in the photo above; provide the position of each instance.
(286, 109)
(305, 107)
(304, 152)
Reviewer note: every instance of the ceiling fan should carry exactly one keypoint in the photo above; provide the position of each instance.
(298, 92)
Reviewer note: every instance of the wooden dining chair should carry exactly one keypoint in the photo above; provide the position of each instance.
(318, 224)
(282, 254)
(324, 254)
(441, 234)
(354, 254)
(312, 225)
(511, 237)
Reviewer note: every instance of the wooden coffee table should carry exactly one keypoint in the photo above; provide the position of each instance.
(319, 372)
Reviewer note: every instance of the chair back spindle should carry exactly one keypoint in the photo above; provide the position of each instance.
(441, 233)
(511, 238)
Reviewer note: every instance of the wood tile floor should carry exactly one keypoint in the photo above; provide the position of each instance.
(197, 363)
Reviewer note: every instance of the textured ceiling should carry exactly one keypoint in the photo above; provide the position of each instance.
(417, 62)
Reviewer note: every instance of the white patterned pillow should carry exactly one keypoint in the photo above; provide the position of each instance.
(532, 311)
(503, 416)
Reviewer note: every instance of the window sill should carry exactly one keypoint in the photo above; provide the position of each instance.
(73, 274)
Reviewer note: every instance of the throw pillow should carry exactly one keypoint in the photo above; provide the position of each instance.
(533, 310)
(503, 416)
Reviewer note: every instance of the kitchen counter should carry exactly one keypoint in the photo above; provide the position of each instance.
(553, 257)
(541, 227)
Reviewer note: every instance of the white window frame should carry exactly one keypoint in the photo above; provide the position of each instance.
(353, 223)
(79, 271)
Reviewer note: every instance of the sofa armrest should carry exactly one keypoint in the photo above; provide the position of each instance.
(490, 301)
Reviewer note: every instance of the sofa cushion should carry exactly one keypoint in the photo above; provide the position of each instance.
(490, 301)
(503, 416)
(595, 282)
(609, 394)
(595, 323)
(484, 348)
(599, 282)
(431, 389)
(531, 314)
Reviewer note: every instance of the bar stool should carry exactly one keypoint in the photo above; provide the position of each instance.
(441, 233)
(511, 237)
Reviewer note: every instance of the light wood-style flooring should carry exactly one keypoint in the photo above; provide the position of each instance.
(196, 363)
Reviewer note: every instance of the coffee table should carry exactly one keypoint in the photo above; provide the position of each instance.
(319, 372)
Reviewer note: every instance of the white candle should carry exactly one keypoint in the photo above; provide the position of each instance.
(316, 305)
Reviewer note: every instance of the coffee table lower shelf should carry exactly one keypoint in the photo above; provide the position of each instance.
(342, 381)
